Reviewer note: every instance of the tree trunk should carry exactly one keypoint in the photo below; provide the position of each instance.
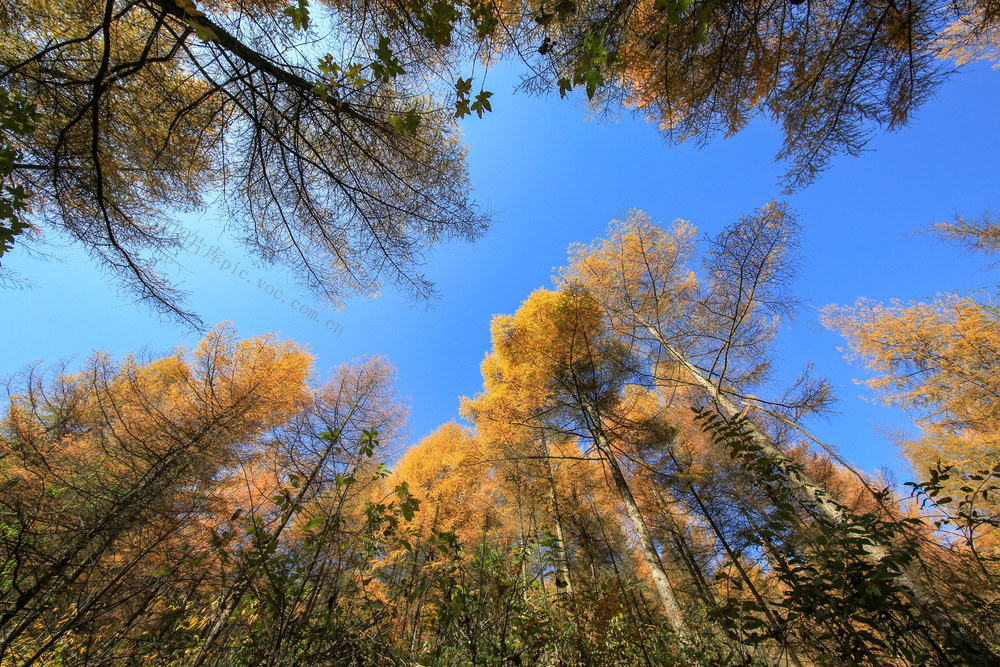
(564, 582)
(231, 602)
(649, 553)
(683, 549)
(538, 550)
(961, 641)
(524, 546)
(735, 558)
(636, 608)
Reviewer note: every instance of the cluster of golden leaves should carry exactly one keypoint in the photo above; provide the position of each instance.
(938, 361)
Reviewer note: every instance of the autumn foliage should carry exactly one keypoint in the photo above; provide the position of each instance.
(621, 492)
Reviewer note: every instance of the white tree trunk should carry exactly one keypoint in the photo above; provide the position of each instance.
(564, 581)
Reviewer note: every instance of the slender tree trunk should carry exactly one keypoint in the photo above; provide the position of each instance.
(683, 548)
(414, 576)
(958, 636)
(98, 538)
(79, 617)
(564, 582)
(629, 599)
(649, 553)
(744, 575)
(524, 546)
(232, 602)
(538, 550)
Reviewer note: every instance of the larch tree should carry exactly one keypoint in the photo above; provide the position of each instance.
(555, 354)
(937, 361)
(103, 466)
(465, 501)
(210, 506)
(301, 510)
(522, 441)
(648, 438)
(715, 333)
(827, 73)
(979, 235)
(326, 131)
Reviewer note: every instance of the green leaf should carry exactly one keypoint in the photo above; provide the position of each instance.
(407, 124)
(203, 32)
(299, 15)
(482, 103)
(387, 66)
(565, 85)
(323, 90)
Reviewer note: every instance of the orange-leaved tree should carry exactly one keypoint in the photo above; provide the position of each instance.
(106, 469)
(567, 371)
(206, 506)
(714, 333)
(938, 361)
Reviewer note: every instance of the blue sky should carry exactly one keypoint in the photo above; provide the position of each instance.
(553, 178)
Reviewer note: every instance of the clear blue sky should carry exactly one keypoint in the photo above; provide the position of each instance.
(554, 178)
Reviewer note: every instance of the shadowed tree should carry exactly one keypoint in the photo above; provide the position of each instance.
(341, 167)
(828, 74)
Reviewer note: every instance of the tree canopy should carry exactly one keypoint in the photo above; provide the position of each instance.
(325, 134)
(632, 485)
(617, 497)
(343, 172)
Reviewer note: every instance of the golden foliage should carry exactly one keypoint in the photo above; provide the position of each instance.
(938, 361)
